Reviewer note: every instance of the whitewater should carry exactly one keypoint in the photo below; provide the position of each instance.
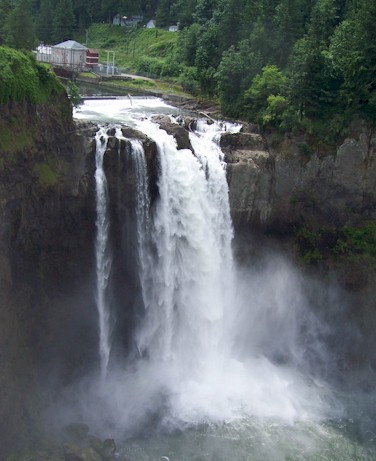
(225, 359)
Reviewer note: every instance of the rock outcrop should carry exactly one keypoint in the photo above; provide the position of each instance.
(46, 234)
(273, 189)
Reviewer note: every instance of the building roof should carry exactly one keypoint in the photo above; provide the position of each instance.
(71, 44)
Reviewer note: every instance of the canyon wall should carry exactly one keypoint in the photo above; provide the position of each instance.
(48, 315)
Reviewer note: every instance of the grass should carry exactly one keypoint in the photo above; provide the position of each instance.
(156, 86)
(88, 75)
(47, 177)
(131, 45)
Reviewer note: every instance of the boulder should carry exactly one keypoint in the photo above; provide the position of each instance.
(73, 453)
(180, 134)
(77, 432)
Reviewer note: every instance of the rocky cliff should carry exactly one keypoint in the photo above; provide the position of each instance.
(276, 189)
(47, 233)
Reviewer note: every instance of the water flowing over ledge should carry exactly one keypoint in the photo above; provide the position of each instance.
(221, 353)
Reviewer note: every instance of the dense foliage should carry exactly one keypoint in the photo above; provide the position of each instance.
(22, 78)
(293, 64)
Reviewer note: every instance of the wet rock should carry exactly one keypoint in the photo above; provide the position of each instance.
(77, 432)
(108, 449)
(231, 143)
(72, 453)
(180, 134)
(95, 442)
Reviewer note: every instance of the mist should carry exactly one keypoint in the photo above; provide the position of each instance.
(227, 357)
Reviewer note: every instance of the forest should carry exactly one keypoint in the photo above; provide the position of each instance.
(291, 65)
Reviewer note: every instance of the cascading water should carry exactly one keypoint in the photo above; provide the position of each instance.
(219, 372)
(188, 292)
(102, 253)
(189, 330)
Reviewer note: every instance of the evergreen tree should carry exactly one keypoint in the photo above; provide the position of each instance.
(289, 20)
(235, 73)
(149, 8)
(63, 21)
(44, 21)
(19, 27)
(182, 12)
(205, 10)
(187, 43)
(6, 6)
(353, 51)
(230, 23)
(163, 16)
(208, 57)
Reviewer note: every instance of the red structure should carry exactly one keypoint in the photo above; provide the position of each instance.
(92, 57)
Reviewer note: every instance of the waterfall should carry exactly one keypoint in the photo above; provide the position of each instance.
(102, 253)
(142, 215)
(226, 362)
(187, 292)
(199, 345)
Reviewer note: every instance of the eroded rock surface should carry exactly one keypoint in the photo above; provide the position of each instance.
(271, 188)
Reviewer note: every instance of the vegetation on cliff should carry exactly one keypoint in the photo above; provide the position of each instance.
(29, 94)
(350, 250)
(22, 78)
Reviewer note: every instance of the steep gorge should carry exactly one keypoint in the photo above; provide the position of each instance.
(47, 231)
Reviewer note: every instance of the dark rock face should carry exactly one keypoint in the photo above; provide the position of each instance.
(46, 258)
(272, 189)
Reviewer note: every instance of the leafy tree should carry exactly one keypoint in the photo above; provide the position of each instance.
(275, 111)
(73, 93)
(270, 82)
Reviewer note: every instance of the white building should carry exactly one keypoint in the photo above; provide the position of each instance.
(173, 28)
(151, 24)
(43, 53)
(69, 54)
(118, 20)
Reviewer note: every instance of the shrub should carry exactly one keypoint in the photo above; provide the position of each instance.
(22, 78)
